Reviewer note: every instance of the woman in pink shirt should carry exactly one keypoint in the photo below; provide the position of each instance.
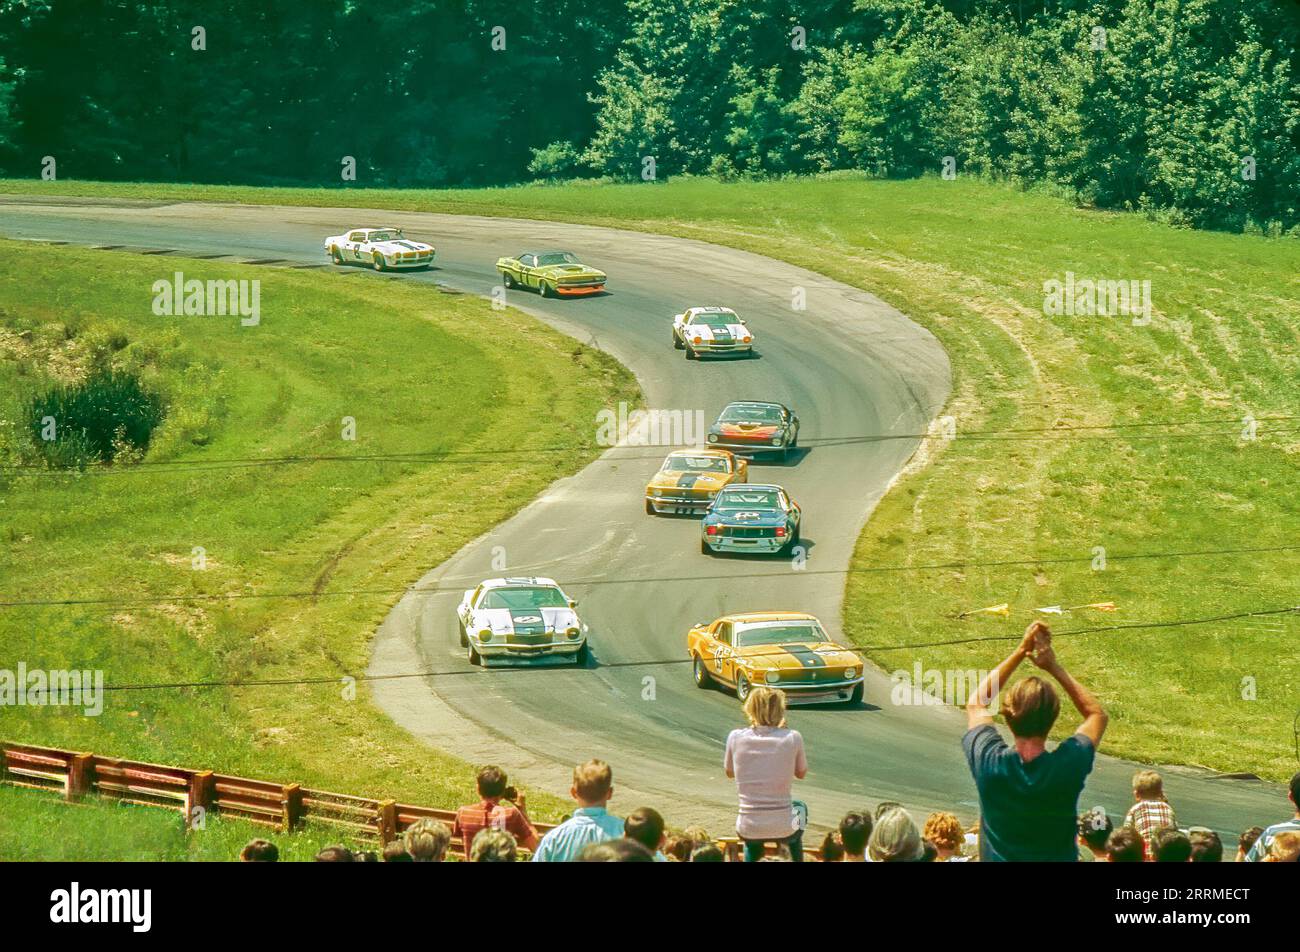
(765, 759)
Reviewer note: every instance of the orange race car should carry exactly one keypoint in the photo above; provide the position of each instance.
(690, 479)
(786, 650)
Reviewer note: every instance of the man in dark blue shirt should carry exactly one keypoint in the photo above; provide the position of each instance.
(1029, 796)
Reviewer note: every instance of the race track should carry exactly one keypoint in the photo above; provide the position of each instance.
(860, 375)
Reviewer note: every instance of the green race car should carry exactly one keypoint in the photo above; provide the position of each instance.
(552, 273)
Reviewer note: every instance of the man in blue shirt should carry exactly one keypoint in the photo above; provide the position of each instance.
(593, 785)
(1029, 796)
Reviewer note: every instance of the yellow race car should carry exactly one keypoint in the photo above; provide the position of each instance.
(689, 479)
(786, 650)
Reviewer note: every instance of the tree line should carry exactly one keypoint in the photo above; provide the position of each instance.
(1186, 109)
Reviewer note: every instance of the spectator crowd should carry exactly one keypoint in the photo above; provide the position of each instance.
(1028, 797)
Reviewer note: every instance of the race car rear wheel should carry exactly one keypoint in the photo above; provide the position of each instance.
(701, 673)
(742, 687)
(380, 263)
(704, 548)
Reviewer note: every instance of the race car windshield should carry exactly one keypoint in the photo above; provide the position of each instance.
(558, 257)
(786, 633)
(384, 235)
(523, 599)
(749, 499)
(751, 414)
(714, 322)
(696, 464)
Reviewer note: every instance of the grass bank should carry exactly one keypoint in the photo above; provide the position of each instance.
(1055, 454)
(254, 541)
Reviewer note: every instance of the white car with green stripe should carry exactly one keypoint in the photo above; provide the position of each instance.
(711, 330)
(520, 619)
(383, 249)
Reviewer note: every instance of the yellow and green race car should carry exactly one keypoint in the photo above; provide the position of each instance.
(552, 273)
(786, 650)
(690, 479)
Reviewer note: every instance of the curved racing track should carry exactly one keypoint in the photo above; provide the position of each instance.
(860, 375)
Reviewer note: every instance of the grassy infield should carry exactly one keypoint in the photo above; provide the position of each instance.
(966, 259)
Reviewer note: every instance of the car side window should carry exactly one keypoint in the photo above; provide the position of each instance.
(723, 632)
(528, 260)
(356, 236)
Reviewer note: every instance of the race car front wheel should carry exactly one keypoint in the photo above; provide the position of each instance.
(474, 656)
(581, 656)
(507, 280)
(742, 687)
(702, 679)
(464, 638)
(380, 263)
(542, 289)
(856, 696)
(336, 255)
(678, 343)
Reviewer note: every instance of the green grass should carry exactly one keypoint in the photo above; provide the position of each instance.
(417, 369)
(968, 259)
(39, 826)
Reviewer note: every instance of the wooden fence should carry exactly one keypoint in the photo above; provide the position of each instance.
(195, 793)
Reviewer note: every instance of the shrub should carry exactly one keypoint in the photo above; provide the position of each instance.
(106, 415)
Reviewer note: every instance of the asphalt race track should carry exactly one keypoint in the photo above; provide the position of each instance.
(862, 378)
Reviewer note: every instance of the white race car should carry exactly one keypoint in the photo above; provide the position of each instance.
(711, 330)
(510, 619)
(381, 248)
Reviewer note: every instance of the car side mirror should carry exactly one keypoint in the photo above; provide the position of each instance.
(573, 603)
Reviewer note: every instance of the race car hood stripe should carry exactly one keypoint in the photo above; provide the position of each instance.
(806, 656)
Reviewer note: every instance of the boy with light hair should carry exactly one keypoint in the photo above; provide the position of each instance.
(1152, 813)
(593, 785)
(427, 840)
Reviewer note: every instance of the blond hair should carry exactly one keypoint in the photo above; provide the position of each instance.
(765, 707)
(1030, 707)
(593, 780)
(1285, 848)
(1148, 785)
(427, 840)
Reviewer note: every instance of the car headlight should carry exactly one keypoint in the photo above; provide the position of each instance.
(772, 677)
(485, 634)
(850, 673)
(573, 633)
(713, 437)
(659, 492)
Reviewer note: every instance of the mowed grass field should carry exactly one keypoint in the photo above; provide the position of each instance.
(337, 534)
(1072, 432)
